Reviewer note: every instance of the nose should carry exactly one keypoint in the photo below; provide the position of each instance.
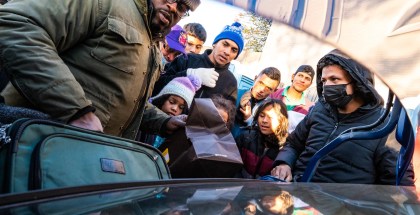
(171, 57)
(265, 119)
(226, 51)
(174, 108)
(173, 7)
(301, 79)
(193, 50)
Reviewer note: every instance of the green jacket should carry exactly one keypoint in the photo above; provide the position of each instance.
(65, 55)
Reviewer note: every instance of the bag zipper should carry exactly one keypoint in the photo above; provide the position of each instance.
(4, 138)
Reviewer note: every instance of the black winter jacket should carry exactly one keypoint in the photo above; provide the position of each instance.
(226, 85)
(355, 161)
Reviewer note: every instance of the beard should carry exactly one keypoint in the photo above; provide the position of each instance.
(157, 28)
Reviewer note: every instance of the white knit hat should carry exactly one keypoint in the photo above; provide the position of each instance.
(184, 87)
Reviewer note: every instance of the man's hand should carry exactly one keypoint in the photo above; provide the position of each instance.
(88, 121)
(176, 122)
(208, 76)
(282, 171)
(245, 99)
(246, 111)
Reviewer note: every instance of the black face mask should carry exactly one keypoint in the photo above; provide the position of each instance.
(336, 95)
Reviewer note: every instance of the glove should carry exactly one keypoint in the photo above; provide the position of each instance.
(207, 75)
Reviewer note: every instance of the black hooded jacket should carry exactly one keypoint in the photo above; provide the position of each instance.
(354, 161)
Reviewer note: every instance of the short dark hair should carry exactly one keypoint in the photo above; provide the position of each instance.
(227, 105)
(196, 30)
(271, 72)
(306, 69)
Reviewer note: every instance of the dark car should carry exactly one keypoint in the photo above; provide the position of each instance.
(382, 35)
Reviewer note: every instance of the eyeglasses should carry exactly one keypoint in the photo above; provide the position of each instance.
(182, 8)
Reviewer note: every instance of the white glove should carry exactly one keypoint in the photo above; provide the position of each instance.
(207, 75)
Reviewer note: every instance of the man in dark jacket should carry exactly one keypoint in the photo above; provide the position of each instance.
(212, 67)
(91, 64)
(347, 99)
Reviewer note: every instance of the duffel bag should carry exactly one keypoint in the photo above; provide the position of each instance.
(41, 154)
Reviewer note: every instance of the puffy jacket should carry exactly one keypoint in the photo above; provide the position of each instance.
(257, 152)
(82, 53)
(355, 161)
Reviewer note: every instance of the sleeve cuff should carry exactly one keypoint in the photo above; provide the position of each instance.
(82, 112)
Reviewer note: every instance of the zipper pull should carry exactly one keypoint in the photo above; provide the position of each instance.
(4, 139)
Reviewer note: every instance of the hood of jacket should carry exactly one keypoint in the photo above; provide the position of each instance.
(362, 77)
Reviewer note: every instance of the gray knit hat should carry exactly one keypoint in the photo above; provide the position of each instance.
(184, 87)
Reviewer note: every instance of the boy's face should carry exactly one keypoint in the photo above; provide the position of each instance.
(168, 53)
(194, 45)
(335, 75)
(174, 105)
(224, 51)
(301, 81)
(263, 87)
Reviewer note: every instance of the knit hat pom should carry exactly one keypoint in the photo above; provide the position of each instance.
(195, 81)
(237, 24)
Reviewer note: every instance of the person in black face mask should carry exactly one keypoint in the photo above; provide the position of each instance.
(347, 98)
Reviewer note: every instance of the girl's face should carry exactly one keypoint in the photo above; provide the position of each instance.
(268, 120)
(174, 105)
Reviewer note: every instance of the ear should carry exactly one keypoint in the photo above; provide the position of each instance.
(293, 77)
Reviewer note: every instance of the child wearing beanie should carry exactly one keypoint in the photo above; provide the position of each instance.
(174, 99)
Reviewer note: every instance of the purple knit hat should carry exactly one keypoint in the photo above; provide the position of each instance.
(177, 39)
(184, 87)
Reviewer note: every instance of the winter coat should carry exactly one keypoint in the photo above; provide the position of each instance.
(258, 153)
(226, 85)
(354, 161)
(82, 53)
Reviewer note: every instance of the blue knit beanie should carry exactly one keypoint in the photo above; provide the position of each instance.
(232, 32)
